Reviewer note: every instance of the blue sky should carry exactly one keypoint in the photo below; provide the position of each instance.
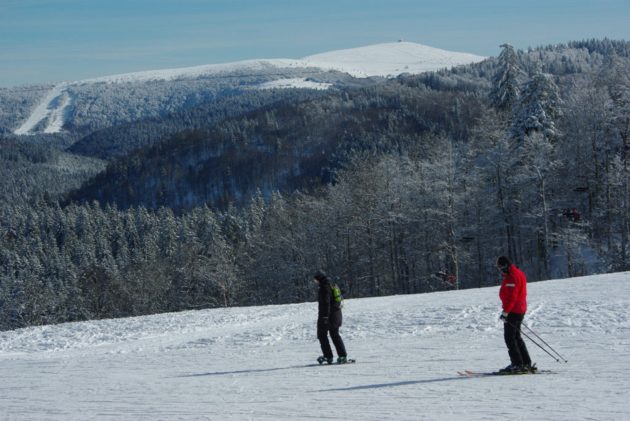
(55, 40)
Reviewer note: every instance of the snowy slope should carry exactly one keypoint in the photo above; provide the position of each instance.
(389, 59)
(256, 363)
(51, 108)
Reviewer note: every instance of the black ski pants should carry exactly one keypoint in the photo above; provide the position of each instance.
(514, 341)
(332, 327)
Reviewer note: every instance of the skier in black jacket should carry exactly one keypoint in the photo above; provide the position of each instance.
(328, 320)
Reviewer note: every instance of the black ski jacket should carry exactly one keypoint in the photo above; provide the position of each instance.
(327, 309)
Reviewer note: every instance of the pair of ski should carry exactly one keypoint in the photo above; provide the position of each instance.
(349, 361)
(468, 373)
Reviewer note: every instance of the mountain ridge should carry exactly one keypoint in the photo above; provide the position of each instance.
(56, 110)
(426, 58)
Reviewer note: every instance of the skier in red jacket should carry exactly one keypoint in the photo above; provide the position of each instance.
(513, 295)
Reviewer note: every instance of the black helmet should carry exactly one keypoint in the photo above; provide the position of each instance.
(319, 275)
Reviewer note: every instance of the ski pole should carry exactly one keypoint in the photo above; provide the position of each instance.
(537, 344)
(543, 341)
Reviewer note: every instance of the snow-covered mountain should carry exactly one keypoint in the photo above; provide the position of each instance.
(94, 103)
(258, 362)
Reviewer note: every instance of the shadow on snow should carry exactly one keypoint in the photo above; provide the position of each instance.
(364, 387)
(254, 370)
(395, 384)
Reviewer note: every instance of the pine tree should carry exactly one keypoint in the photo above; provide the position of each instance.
(538, 108)
(506, 81)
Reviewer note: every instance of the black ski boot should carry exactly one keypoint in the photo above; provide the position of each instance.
(323, 360)
(513, 369)
(530, 368)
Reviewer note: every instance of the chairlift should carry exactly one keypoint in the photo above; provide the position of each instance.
(446, 277)
(572, 214)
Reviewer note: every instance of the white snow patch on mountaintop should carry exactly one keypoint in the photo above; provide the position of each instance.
(386, 60)
(259, 362)
(390, 59)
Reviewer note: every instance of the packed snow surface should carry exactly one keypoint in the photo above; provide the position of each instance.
(387, 59)
(258, 363)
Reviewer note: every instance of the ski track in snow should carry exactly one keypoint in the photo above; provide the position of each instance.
(51, 108)
(258, 362)
(385, 60)
(56, 117)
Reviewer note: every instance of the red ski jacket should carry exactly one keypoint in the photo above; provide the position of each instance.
(513, 291)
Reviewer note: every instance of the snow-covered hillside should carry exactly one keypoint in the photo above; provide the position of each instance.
(388, 59)
(257, 363)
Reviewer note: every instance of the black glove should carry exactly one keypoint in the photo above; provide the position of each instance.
(503, 317)
(323, 321)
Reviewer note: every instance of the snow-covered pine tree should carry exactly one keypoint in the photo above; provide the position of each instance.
(506, 82)
(538, 108)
